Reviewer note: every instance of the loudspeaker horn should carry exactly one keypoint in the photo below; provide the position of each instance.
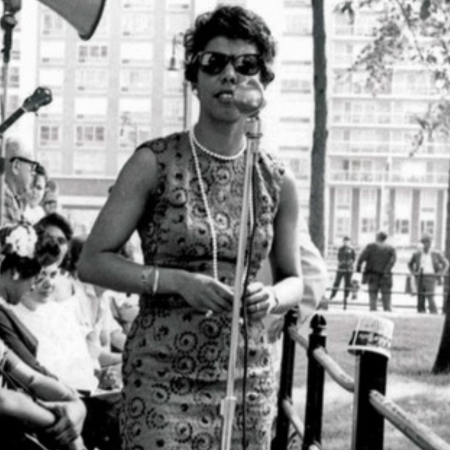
(83, 15)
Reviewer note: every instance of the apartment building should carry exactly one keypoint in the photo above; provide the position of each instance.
(373, 182)
(125, 85)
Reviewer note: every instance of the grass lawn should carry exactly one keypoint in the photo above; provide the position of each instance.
(410, 382)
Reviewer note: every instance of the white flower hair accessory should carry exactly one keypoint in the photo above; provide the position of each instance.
(22, 241)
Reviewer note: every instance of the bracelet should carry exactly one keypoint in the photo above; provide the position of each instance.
(147, 287)
(155, 282)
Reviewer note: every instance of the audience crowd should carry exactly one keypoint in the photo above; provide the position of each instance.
(61, 340)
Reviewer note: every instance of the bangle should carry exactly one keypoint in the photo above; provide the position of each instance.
(155, 282)
(145, 279)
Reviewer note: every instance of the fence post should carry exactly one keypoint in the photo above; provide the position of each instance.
(420, 293)
(280, 441)
(315, 384)
(371, 372)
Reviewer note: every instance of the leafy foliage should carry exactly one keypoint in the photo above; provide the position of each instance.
(408, 31)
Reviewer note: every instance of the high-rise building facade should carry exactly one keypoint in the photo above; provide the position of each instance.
(373, 181)
(125, 85)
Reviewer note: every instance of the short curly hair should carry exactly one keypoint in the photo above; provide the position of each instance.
(54, 220)
(232, 22)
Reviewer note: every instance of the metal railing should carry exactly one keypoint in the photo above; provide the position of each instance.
(369, 388)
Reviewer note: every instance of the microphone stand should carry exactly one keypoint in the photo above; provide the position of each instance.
(228, 405)
(7, 22)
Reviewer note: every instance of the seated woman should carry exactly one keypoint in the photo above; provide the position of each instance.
(28, 266)
(62, 346)
(17, 272)
(51, 410)
(93, 311)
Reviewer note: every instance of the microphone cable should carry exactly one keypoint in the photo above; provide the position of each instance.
(245, 315)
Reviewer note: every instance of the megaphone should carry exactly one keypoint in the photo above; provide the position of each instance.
(83, 15)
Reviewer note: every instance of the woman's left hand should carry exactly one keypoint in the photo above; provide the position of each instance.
(260, 300)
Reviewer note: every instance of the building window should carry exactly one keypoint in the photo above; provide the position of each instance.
(178, 5)
(296, 78)
(51, 160)
(342, 227)
(13, 104)
(139, 3)
(402, 226)
(137, 24)
(52, 24)
(88, 135)
(298, 24)
(173, 110)
(92, 53)
(132, 133)
(91, 80)
(14, 77)
(368, 225)
(427, 227)
(52, 52)
(300, 167)
(49, 135)
(136, 53)
(135, 80)
(89, 163)
(343, 198)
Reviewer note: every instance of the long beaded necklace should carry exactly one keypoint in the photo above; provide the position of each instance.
(194, 142)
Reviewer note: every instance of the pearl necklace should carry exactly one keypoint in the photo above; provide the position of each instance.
(217, 155)
(192, 142)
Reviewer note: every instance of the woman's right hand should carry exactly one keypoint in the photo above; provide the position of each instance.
(204, 293)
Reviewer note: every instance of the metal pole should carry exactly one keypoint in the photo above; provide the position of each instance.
(371, 374)
(280, 441)
(228, 404)
(315, 384)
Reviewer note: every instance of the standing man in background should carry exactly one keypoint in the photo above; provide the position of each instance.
(427, 265)
(346, 259)
(378, 259)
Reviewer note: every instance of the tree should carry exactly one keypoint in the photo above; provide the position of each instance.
(318, 154)
(418, 31)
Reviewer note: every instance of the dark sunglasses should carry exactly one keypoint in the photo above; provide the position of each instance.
(33, 164)
(212, 63)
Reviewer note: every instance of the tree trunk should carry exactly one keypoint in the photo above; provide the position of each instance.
(318, 154)
(442, 362)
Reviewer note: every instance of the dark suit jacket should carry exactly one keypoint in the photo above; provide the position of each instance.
(378, 259)
(440, 263)
(20, 339)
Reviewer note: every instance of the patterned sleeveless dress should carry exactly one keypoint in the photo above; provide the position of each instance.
(176, 358)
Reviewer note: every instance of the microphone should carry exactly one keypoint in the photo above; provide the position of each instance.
(249, 97)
